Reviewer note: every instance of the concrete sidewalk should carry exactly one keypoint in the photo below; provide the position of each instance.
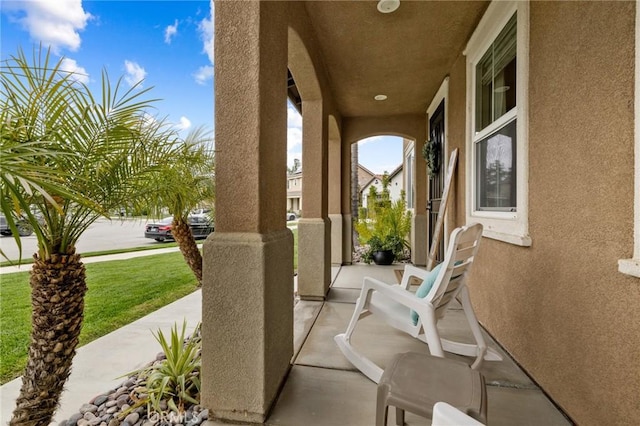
(97, 365)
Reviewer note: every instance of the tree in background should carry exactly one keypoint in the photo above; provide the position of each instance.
(91, 154)
(297, 166)
(355, 191)
(182, 184)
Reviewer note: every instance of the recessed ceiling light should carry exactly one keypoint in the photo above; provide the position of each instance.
(380, 97)
(388, 6)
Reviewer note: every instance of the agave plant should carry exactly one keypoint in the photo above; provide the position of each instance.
(175, 379)
(92, 155)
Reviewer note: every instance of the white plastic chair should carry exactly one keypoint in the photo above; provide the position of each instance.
(394, 303)
(446, 415)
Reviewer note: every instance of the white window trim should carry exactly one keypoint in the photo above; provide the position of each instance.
(441, 95)
(632, 266)
(409, 178)
(509, 227)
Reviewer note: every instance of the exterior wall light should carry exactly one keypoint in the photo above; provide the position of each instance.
(388, 6)
(380, 97)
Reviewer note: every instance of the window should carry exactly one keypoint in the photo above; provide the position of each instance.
(495, 169)
(496, 78)
(497, 72)
(408, 176)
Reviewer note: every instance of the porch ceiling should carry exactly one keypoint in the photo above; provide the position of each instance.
(404, 55)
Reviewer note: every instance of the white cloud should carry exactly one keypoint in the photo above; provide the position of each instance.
(54, 23)
(294, 128)
(294, 119)
(170, 31)
(294, 138)
(206, 30)
(134, 73)
(372, 139)
(203, 74)
(149, 120)
(77, 72)
(184, 124)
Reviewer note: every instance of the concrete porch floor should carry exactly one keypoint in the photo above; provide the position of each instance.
(323, 388)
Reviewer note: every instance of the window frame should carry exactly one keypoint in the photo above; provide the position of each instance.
(510, 227)
(632, 266)
(409, 177)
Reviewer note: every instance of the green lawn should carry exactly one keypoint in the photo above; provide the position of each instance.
(28, 260)
(119, 293)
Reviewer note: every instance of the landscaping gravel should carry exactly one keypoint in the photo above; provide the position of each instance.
(124, 406)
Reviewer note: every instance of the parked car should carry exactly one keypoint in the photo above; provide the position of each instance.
(200, 211)
(24, 227)
(291, 216)
(200, 224)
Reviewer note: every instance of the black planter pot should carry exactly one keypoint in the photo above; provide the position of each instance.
(384, 257)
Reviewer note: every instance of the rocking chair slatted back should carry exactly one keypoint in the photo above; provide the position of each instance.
(460, 255)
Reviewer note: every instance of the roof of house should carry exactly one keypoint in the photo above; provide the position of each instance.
(391, 176)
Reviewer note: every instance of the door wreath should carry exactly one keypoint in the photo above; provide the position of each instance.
(431, 154)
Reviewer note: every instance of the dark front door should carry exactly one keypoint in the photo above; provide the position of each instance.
(436, 180)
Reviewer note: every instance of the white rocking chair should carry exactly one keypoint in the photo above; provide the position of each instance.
(395, 303)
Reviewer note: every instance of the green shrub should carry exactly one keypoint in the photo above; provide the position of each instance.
(175, 379)
(387, 224)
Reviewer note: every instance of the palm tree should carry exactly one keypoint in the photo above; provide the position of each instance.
(181, 185)
(96, 147)
(355, 192)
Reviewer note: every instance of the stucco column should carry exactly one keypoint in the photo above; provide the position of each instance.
(314, 228)
(247, 307)
(347, 225)
(419, 226)
(335, 206)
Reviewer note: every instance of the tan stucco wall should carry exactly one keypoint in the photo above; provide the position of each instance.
(456, 139)
(408, 126)
(560, 306)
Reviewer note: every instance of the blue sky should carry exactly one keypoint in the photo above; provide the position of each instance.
(167, 44)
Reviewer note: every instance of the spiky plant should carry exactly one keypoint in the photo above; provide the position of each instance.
(387, 224)
(99, 148)
(181, 185)
(175, 379)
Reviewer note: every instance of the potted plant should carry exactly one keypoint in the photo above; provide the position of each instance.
(385, 227)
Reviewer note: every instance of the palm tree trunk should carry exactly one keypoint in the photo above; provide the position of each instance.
(182, 234)
(58, 286)
(355, 192)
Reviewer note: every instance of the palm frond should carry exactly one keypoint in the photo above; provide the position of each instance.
(73, 156)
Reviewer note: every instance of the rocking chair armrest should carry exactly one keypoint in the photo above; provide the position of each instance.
(409, 272)
(394, 292)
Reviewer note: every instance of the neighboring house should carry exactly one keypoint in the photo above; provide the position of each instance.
(294, 192)
(364, 176)
(396, 186)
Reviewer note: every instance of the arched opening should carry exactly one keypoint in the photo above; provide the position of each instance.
(382, 178)
(313, 229)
